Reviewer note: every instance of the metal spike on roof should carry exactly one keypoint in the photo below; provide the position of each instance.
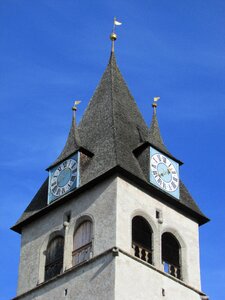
(155, 135)
(72, 144)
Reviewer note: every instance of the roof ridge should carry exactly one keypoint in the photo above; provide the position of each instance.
(113, 59)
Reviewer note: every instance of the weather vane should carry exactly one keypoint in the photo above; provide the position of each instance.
(113, 35)
(154, 104)
(74, 108)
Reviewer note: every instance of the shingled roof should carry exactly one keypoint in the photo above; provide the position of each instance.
(73, 144)
(155, 137)
(111, 129)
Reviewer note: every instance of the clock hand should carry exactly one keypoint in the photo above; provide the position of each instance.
(161, 173)
(169, 170)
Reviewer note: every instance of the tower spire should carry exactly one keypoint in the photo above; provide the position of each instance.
(155, 135)
(113, 35)
(154, 104)
(73, 142)
(154, 132)
(74, 109)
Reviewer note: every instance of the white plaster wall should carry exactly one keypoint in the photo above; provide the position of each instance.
(137, 281)
(92, 281)
(111, 205)
(132, 201)
(98, 203)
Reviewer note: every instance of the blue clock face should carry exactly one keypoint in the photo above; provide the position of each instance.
(164, 172)
(63, 178)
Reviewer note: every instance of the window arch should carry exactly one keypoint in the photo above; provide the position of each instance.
(54, 257)
(142, 239)
(82, 243)
(171, 255)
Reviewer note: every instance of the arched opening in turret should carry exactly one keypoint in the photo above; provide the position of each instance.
(54, 257)
(171, 255)
(82, 243)
(142, 239)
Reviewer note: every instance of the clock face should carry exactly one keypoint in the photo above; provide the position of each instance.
(63, 178)
(164, 172)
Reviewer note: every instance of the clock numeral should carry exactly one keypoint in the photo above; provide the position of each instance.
(155, 159)
(159, 157)
(164, 159)
(53, 183)
(174, 172)
(68, 163)
(54, 189)
(155, 173)
(67, 188)
(63, 190)
(74, 172)
(164, 185)
(74, 165)
(154, 166)
(73, 178)
(175, 179)
(59, 168)
(159, 181)
(65, 164)
(173, 184)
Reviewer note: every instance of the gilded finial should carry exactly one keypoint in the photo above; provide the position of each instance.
(113, 35)
(77, 102)
(154, 104)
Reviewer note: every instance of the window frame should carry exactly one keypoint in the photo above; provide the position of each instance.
(56, 260)
(139, 249)
(85, 250)
(169, 267)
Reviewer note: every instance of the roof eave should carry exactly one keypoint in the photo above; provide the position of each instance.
(145, 144)
(161, 196)
(81, 149)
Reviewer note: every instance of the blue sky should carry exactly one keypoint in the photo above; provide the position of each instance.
(55, 51)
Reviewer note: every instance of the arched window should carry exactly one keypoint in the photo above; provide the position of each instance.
(54, 257)
(142, 239)
(171, 255)
(82, 243)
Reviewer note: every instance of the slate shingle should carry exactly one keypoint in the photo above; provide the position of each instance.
(111, 130)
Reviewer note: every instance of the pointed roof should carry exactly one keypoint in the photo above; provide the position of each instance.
(156, 138)
(73, 144)
(111, 130)
(112, 124)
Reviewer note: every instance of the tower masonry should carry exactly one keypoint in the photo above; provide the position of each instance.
(113, 220)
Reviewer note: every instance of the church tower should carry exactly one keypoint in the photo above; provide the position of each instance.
(113, 220)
